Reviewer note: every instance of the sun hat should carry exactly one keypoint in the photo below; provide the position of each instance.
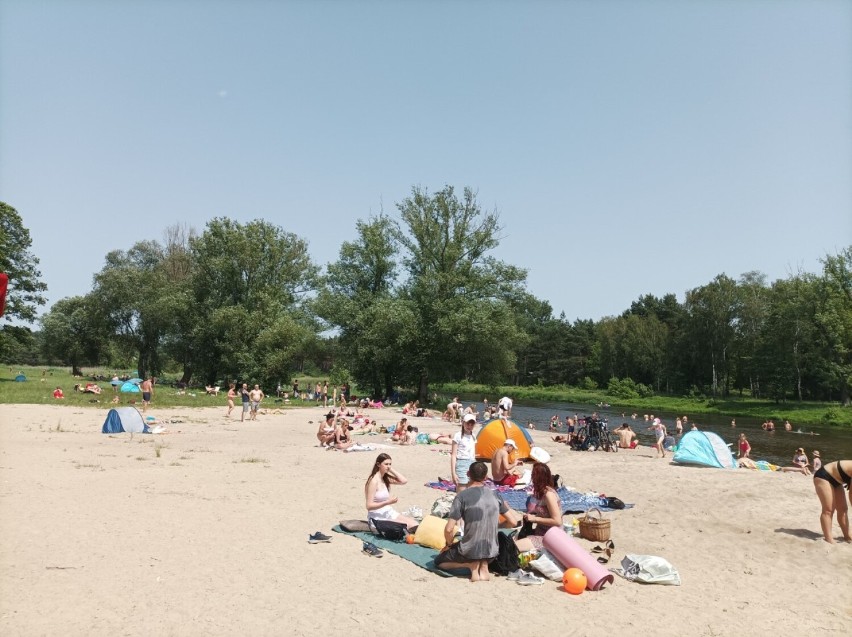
(816, 453)
(469, 418)
(511, 443)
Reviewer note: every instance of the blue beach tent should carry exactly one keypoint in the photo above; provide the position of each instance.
(706, 449)
(20, 378)
(130, 388)
(124, 419)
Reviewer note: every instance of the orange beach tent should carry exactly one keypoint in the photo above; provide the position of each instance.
(493, 434)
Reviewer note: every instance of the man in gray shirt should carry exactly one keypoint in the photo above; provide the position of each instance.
(479, 508)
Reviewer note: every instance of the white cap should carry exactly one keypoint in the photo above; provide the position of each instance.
(469, 418)
(511, 443)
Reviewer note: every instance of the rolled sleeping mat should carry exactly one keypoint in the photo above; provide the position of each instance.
(571, 555)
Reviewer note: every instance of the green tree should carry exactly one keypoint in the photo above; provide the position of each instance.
(712, 310)
(25, 291)
(71, 334)
(128, 298)
(248, 282)
(461, 295)
(834, 320)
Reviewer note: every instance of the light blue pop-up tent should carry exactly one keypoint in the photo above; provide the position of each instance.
(20, 378)
(130, 388)
(704, 448)
(125, 419)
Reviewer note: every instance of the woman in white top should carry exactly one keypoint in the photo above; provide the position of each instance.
(377, 492)
(463, 453)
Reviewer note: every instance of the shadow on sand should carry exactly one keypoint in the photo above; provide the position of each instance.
(806, 534)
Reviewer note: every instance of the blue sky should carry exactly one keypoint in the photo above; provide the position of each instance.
(630, 148)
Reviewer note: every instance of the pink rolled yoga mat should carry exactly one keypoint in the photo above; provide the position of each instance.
(571, 555)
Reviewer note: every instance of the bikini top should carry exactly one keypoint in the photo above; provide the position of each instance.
(845, 478)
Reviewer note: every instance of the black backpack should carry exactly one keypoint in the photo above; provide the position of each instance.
(507, 560)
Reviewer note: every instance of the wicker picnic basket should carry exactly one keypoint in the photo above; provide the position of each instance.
(594, 529)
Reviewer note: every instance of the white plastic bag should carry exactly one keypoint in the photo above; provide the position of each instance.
(548, 566)
(648, 569)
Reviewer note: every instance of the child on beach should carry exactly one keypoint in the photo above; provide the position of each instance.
(744, 447)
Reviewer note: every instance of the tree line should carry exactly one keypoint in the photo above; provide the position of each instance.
(418, 298)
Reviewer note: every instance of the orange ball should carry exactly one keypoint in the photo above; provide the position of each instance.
(409, 539)
(574, 581)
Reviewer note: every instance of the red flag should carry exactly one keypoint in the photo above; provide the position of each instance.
(4, 283)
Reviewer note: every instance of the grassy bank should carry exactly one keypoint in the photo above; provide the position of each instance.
(34, 391)
(803, 413)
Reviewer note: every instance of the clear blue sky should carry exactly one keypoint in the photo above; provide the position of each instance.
(629, 147)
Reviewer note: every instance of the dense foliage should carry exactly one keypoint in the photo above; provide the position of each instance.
(419, 298)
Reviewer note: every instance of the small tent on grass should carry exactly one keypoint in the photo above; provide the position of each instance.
(124, 419)
(20, 378)
(704, 448)
(130, 388)
(494, 434)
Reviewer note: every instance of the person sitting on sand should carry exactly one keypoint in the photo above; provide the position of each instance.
(829, 481)
(377, 492)
(399, 430)
(744, 447)
(817, 462)
(543, 509)
(800, 463)
(627, 438)
(478, 509)
(505, 471)
(343, 435)
(409, 435)
(325, 433)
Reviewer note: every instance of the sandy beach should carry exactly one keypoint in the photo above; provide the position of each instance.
(203, 530)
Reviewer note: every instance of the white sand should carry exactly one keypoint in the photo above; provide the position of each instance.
(102, 537)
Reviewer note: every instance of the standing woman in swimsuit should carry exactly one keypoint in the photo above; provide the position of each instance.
(463, 453)
(829, 482)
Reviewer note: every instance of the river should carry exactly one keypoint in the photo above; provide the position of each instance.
(833, 443)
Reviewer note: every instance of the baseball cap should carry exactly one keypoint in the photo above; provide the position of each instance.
(469, 418)
(511, 443)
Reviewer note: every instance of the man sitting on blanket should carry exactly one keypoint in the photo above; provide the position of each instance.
(503, 471)
(479, 508)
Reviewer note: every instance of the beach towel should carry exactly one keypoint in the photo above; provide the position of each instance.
(570, 501)
(420, 555)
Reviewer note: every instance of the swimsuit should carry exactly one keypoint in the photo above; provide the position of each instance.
(825, 475)
(387, 512)
(539, 509)
(847, 479)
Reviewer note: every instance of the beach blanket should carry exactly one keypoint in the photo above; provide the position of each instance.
(420, 555)
(571, 501)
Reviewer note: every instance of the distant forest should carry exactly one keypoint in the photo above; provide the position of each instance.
(419, 298)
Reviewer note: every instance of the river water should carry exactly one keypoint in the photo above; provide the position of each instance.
(833, 443)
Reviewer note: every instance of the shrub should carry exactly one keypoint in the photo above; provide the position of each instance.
(588, 384)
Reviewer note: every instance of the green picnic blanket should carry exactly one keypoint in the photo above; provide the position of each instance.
(420, 555)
